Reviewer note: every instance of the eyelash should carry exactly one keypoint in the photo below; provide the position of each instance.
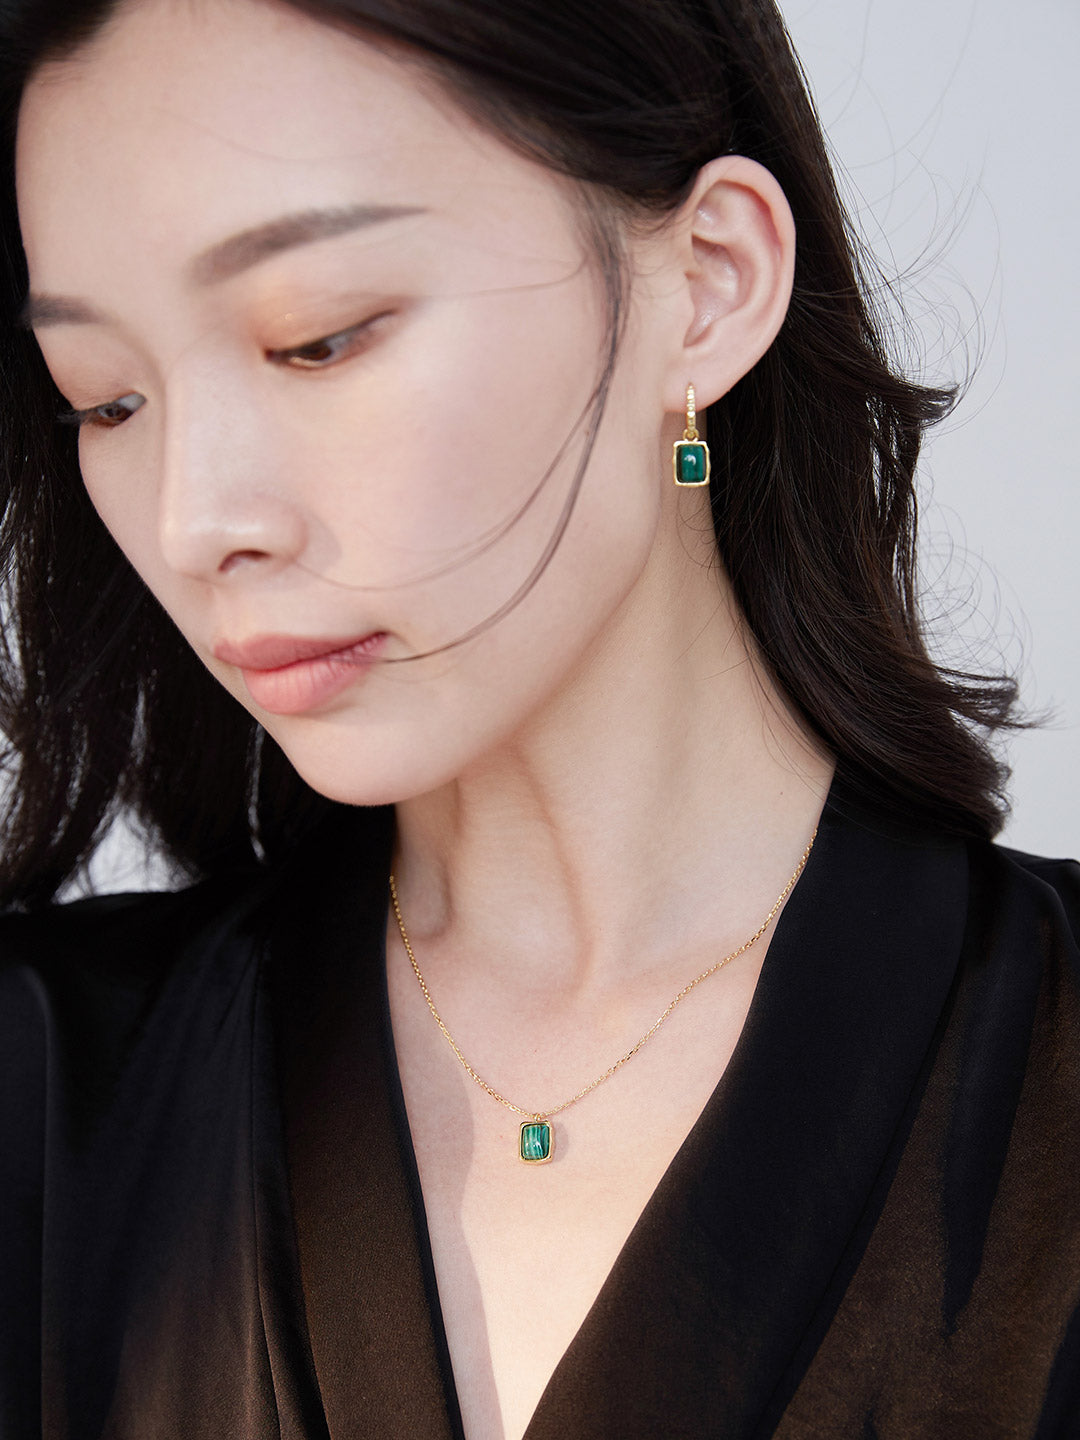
(95, 415)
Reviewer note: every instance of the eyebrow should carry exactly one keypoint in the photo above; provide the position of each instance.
(231, 257)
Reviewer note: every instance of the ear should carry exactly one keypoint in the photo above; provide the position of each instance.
(734, 244)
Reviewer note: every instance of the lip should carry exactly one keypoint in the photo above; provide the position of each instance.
(289, 674)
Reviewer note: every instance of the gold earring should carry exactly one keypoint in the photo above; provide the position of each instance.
(691, 463)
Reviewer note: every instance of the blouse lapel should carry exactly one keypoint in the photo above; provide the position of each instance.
(740, 1256)
(372, 1309)
(732, 1272)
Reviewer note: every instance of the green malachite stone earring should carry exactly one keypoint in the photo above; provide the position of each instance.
(536, 1142)
(690, 462)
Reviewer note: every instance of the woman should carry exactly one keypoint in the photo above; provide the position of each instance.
(702, 1069)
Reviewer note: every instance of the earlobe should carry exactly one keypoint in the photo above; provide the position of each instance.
(737, 243)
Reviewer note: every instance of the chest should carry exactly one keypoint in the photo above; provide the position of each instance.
(521, 1252)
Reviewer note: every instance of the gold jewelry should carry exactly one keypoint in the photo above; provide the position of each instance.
(536, 1136)
(690, 461)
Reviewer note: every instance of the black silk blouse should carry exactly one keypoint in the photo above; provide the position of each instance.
(212, 1224)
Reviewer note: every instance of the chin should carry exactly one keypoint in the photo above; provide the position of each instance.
(369, 766)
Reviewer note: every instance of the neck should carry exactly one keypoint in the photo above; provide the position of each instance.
(655, 808)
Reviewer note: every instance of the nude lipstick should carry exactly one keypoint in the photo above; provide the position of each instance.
(289, 675)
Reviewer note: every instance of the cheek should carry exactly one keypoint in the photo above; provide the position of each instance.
(123, 486)
(429, 479)
(456, 452)
(120, 483)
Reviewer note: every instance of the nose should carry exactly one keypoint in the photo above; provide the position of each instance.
(226, 507)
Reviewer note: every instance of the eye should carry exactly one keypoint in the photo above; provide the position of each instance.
(109, 415)
(329, 349)
(314, 355)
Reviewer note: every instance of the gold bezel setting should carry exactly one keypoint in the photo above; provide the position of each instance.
(703, 449)
(540, 1159)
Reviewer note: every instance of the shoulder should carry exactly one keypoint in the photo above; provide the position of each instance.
(1028, 903)
(118, 943)
(83, 983)
(79, 981)
(1057, 880)
(93, 991)
(85, 990)
(98, 966)
(1013, 1021)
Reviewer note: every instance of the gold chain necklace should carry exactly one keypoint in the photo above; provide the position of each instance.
(536, 1135)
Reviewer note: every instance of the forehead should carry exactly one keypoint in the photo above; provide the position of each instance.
(187, 119)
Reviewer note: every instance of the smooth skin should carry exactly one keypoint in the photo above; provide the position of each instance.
(598, 796)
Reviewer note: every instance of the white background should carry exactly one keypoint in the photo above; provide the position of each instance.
(957, 124)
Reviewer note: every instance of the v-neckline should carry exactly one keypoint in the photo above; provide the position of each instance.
(423, 1230)
(745, 1235)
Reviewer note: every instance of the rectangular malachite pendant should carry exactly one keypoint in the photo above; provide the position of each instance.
(691, 461)
(536, 1142)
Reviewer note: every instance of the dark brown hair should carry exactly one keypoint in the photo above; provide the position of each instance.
(814, 455)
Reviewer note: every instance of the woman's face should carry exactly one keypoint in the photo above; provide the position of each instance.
(330, 337)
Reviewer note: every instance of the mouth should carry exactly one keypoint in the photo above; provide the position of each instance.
(289, 674)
